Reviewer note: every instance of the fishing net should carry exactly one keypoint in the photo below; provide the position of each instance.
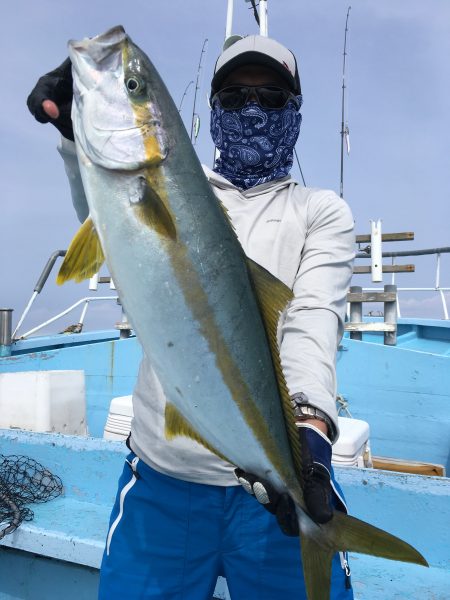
(23, 481)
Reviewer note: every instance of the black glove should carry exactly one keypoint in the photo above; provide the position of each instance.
(55, 86)
(317, 490)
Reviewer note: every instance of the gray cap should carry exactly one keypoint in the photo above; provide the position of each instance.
(260, 50)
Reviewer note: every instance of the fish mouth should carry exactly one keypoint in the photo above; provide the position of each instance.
(101, 46)
(92, 57)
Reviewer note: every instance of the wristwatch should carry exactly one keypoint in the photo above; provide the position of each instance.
(303, 410)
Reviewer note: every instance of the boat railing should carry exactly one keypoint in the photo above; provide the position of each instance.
(437, 288)
(369, 252)
(84, 302)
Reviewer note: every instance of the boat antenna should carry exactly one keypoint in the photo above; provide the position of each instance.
(184, 94)
(344, 127)
(195, 121)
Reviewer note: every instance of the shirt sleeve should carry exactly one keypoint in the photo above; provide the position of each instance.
(314, 321)
(67, 150)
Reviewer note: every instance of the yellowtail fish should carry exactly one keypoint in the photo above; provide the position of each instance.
(205, 315)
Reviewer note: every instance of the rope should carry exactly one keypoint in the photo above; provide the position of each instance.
(343, 406)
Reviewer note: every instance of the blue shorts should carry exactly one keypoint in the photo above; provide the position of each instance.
(170, 539)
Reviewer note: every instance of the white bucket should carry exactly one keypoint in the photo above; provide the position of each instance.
(352, 448)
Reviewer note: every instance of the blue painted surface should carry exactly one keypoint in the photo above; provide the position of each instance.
(73, 528)
(110, 365)
(423, 335)
(66, 340)
(32, 577)
(402, 391)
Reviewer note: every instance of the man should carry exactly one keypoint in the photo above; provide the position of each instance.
(181, 518)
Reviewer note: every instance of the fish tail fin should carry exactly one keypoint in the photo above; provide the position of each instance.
(319, 543)
(316, 562)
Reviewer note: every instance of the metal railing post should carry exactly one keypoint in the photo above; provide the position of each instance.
(5, 331)
(390, 316)
(356, 313)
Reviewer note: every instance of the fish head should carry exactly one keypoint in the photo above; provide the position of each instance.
(115, 113)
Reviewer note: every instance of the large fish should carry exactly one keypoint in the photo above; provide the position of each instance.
(205, 315)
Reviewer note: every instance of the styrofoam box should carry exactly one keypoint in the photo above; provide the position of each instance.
(44, 401)
(353, 436)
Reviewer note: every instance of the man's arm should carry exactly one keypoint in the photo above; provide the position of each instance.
(310, 333)
(50, 101)
(314, 321)
(69, 156)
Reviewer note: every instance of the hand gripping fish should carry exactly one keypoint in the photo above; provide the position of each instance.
(205, 315)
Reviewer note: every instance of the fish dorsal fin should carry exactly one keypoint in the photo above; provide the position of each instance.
(273, 296)
(177, 425)
(84, 257)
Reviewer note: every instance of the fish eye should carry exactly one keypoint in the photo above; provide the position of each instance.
(133, 85)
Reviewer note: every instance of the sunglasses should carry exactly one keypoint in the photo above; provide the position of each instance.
(267, 96)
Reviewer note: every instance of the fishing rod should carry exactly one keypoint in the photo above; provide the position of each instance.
(344, 127)
(195, 122)
(184, 94)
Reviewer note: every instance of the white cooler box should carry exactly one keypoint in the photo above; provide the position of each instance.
(118, 423)
(43, 401)
(352, 448)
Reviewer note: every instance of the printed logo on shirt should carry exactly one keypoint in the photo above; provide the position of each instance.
(273, 221)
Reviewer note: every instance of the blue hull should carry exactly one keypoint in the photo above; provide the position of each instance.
(402, 391)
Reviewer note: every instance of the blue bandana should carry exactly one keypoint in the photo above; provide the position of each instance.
(256, 144)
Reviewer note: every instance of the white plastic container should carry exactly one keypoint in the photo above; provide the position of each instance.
(43, 401)
(352, 448)
(118, 423)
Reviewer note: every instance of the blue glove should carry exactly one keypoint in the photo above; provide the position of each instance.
(316, 467)
(317, 490)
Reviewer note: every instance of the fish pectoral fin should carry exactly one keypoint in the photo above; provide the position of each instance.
(152, 211)
(84, 257)
(342, 534)
(176, 425)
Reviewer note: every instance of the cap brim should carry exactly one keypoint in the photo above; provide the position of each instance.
(253, 58)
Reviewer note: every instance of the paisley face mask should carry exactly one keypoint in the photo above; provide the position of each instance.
(256, 144)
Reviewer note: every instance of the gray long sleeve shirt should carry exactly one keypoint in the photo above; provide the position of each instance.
(304, 237)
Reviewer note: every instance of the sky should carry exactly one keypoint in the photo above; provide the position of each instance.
(397, 109)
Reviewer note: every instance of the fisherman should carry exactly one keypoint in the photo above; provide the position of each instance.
(183, 516)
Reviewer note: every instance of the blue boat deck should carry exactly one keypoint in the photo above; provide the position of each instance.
(70, 531)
